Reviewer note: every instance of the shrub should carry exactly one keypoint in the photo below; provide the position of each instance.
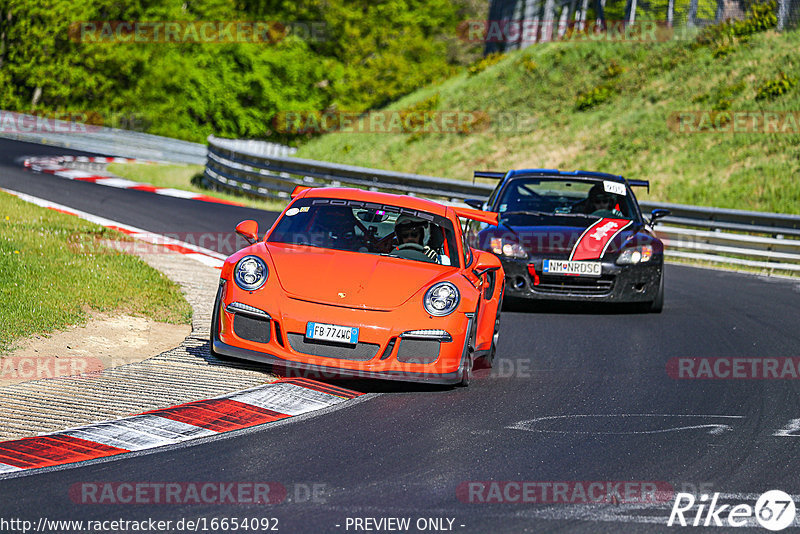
(776, 87)
(484, 63)
(593, 97)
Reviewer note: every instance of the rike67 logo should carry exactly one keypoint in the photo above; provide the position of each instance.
(774, 510)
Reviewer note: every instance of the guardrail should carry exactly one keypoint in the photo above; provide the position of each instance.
(99, 139)
(753, 239)
(234, 165)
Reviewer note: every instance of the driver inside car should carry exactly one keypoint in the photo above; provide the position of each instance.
(410, 233)
(337, 228)
(603, 202)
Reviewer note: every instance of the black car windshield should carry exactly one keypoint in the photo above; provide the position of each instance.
(525, 197)
(368, 228)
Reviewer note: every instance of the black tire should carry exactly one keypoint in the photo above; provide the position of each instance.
(215, 325)
(658, 304)
(488, 360)
(466, 358)
(466, 370)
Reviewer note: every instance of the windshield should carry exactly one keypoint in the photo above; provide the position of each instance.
(368, 228)
(562, 196)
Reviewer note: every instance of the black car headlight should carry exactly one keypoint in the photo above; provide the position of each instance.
(509, 249)
(632, 256)
(250, 273)
(442, 299)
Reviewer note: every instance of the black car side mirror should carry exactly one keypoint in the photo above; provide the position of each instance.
(474, 203)
(657, 214)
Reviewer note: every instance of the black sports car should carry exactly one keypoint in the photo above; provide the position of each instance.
(576, 236)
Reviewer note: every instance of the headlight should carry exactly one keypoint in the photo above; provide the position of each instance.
(250, 273)
(504, 247)
(442, 299)
(635, 255)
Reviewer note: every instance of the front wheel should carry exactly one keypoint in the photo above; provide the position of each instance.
(466, 371)
(488, 360)
(658, 304)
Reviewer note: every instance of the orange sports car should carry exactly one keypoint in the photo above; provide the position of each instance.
(356, 283)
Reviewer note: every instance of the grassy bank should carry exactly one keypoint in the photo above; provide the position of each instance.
(180, 177)
(612, 107)
(55, 267)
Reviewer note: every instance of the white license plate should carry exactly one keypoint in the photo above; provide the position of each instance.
(332, 332)
(579, 268)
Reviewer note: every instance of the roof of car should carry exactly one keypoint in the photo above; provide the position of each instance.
(404, 201)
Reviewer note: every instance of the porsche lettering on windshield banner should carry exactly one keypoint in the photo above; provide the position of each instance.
(593, 242)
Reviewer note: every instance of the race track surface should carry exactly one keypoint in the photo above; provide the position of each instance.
(575, 397)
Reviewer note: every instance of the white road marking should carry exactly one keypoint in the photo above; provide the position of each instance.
(139, 432)
(72, 174)
(212, 258)
(714, 428)
(5, 468)
(287, 398)
(176, 193)
(119, 183)
(791, 430)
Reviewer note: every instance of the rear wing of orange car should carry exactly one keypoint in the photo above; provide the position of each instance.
(299, 189)
(489, 217)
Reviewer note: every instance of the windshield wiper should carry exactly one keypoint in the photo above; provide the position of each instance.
(524, 212)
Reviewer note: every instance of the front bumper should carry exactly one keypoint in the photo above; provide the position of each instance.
(382, 352)
(617, 283)
(292, 367)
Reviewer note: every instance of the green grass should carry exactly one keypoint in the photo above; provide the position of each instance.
(55, 268)
(180, 177)
(606, 106)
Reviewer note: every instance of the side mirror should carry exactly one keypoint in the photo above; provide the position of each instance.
(474, 203)
(657, 214)
(248, 230)
(485, 262)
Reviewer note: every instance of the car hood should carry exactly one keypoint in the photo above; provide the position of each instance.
(350, 279)
(557, 238)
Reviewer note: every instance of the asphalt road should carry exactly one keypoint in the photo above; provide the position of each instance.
(575, 397)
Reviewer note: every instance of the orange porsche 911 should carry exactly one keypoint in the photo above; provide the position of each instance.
(356, 283)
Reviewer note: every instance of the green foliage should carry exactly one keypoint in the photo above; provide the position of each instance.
(527, 64)
(347, 54)
(55, 266)
(723, 37)
(721, 98)
(632, 133)
(776, 87)
(594, 96)
(484, 63)
(613, 70)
